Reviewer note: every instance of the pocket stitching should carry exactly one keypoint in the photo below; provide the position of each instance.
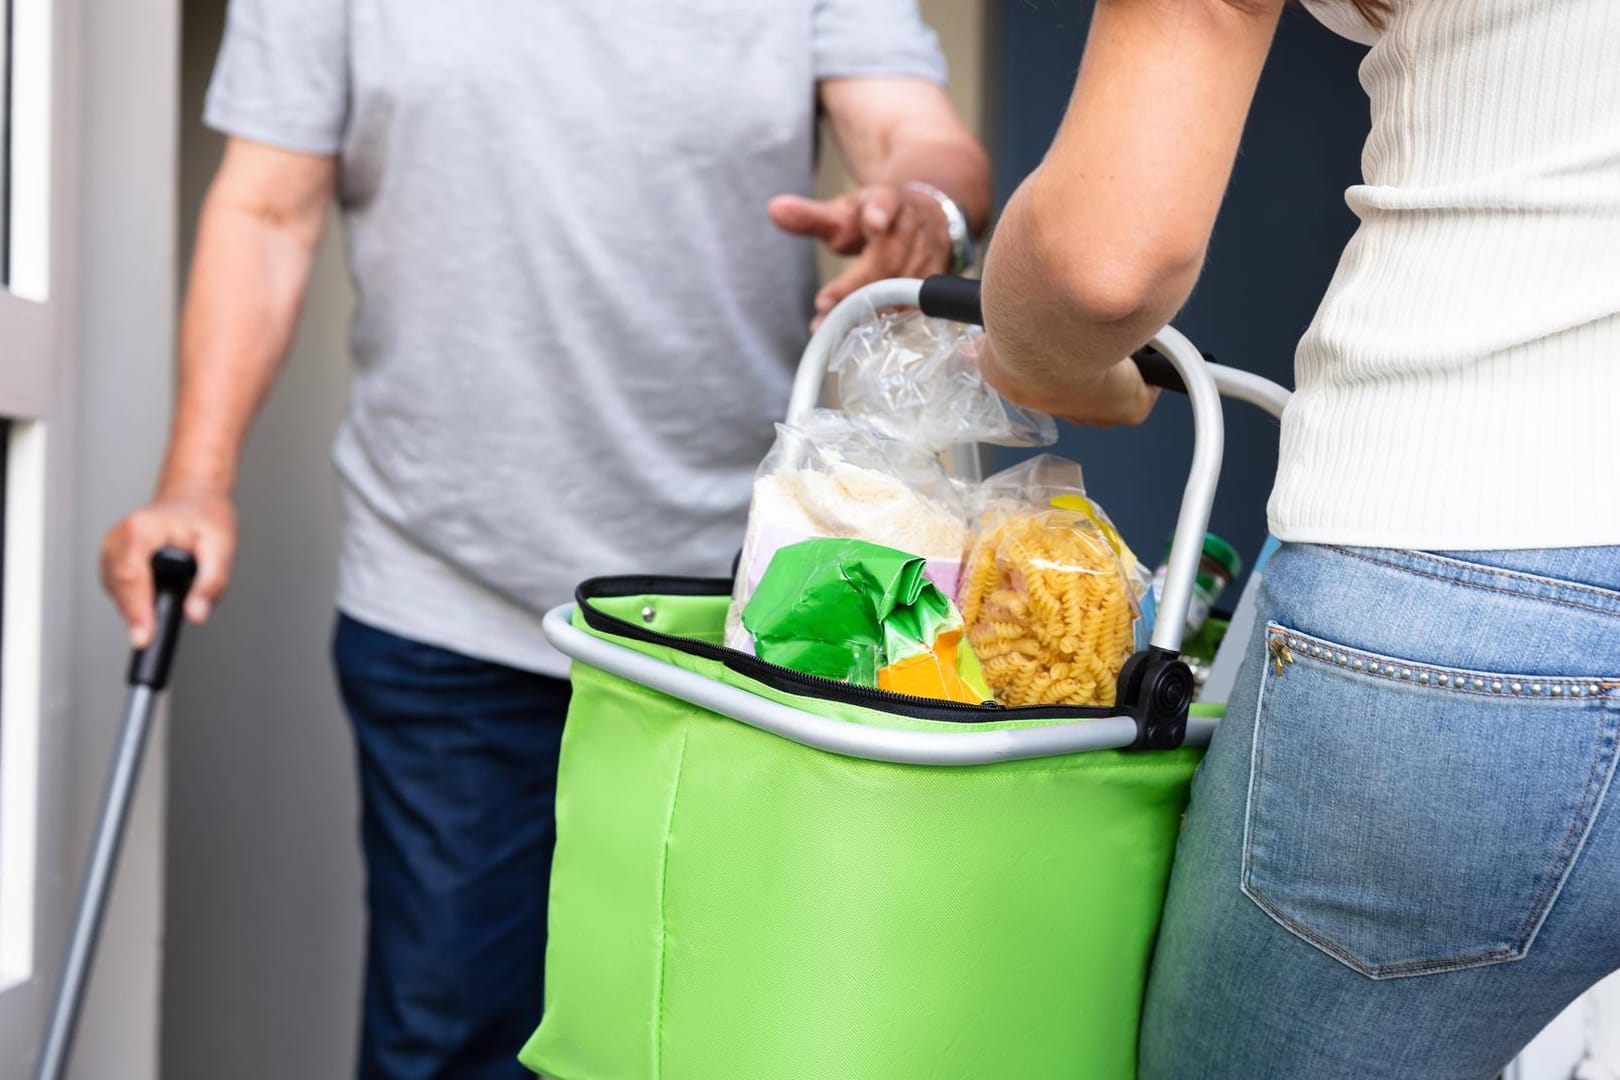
(1585, 817)
(1599, 685)
(1593, 796)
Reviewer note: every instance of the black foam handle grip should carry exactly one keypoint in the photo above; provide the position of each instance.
(1157, 370)
(944, 296)
(173, 571)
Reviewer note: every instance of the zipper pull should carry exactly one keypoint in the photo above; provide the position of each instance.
(1280, 653)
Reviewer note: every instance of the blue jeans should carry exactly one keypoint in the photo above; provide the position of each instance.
(1399, 860)
(458, 770)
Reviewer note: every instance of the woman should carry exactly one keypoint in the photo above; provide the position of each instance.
(1399, 858)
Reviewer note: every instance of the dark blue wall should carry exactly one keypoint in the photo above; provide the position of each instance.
(1276, 244)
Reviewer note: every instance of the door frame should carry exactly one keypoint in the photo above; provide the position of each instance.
(37, 379)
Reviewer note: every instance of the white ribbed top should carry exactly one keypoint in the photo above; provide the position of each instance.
(1459, 387)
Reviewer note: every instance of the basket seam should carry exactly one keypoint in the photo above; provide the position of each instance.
(663, 910)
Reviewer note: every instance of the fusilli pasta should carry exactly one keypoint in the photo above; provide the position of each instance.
(1048, 609)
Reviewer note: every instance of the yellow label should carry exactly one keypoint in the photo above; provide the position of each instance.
(1079, 504)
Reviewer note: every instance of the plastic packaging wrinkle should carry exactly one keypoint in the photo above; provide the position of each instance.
(917, 379)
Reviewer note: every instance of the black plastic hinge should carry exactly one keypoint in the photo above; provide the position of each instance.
(1156, 690)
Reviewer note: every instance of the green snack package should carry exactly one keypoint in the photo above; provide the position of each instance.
(864, 614)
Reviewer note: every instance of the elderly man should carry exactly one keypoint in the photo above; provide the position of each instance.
(576, 323)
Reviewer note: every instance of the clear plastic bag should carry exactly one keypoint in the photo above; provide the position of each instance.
(833, 477)
(916, 379)
(1050, 593)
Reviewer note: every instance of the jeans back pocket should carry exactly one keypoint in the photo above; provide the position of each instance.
(1406, 818)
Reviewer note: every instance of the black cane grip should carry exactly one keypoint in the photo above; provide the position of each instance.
(173, 571)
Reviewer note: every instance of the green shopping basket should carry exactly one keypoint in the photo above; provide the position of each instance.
(765, 875)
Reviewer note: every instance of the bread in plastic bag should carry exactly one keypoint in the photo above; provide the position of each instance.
(830, 476)
(916, 379)
(1050, 593)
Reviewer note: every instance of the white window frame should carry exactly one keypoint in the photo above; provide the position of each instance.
(28, 349)
(32, 124)
(21, 699)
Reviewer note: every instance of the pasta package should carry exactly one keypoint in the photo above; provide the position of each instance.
(1050, 594)
(863, 614)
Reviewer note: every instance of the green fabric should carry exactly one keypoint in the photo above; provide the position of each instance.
(729, 905)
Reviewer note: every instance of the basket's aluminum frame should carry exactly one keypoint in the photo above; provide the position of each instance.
(966, 744)
(1232, 382)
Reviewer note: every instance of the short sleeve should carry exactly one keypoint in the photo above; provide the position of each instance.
(875, 38)
(282, 76)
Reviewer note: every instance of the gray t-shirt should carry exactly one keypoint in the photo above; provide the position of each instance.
(575, 323)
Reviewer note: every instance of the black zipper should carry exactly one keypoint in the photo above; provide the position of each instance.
(786, 679)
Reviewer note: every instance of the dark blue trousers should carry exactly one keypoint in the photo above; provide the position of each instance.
(458, 773)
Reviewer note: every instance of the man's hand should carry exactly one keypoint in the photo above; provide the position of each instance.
(895, 233)
(1116, 396)
(890, 131)
(201, 523)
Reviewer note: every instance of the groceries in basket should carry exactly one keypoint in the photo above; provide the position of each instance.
(1050, 593)
(915, 379)
(864, 614)
(832, 476)
(909, 390)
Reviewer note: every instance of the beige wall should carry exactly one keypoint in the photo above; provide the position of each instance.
(264, 915)
(126, 273)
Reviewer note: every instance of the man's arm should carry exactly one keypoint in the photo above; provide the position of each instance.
(891, 131)
(256, 241)
(1103, 243)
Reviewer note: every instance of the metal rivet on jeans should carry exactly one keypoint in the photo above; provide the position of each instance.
(1535, 688)
(1496, 688)
(1517, 688)
(1558, 691)
(1406, 673)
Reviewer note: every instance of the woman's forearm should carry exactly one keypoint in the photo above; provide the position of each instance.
(1061, 312)
(1103, 242)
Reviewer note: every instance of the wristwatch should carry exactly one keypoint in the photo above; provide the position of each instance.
(956, 223)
